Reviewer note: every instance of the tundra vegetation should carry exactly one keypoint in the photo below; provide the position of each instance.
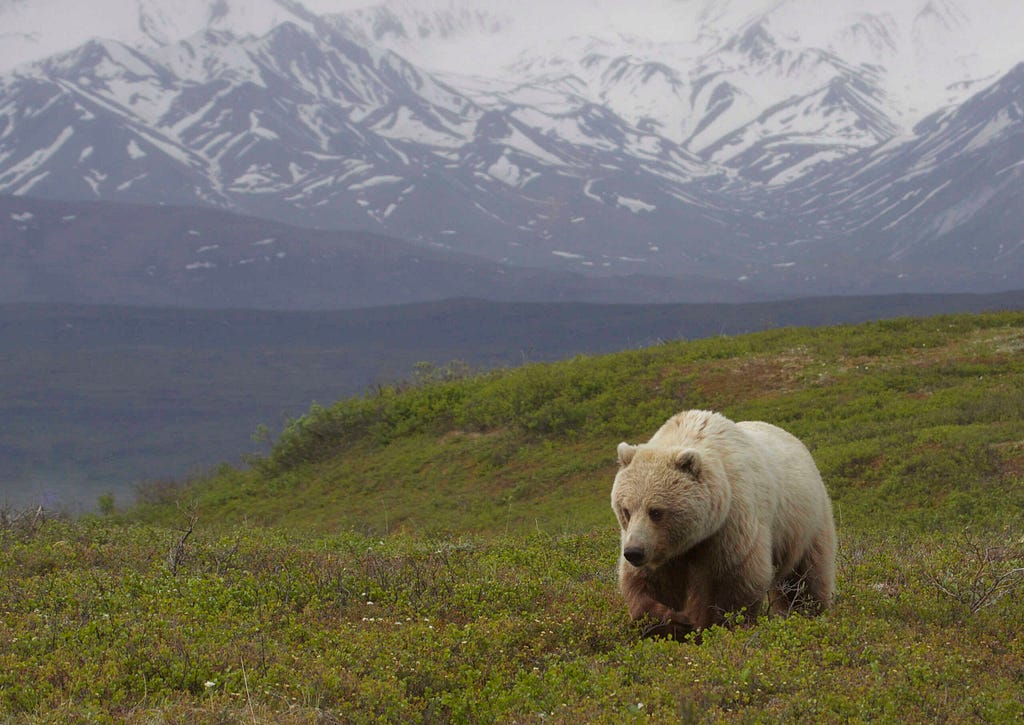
(444, 551)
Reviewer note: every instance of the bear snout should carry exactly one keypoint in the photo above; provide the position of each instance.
(635, 555)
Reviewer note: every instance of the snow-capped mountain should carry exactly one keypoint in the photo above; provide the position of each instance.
(794, 148)
(926, 53)
(954, 192)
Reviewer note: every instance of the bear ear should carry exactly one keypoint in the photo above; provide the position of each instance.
(688, 460)
(626, 453)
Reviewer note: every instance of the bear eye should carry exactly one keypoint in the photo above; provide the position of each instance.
(625, 514)
(655, 514)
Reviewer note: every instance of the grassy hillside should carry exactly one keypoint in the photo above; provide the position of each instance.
(913, 423)
(443, 551)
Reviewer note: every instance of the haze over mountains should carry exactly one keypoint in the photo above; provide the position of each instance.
(755, 149)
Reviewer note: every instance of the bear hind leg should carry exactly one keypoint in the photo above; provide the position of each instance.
(821, 566)
(811, 585)
(820, 576)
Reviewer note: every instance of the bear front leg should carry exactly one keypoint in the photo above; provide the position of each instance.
(664, 621)
(718, 602)
(677, 630)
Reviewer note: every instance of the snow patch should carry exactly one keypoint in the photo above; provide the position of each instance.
(506, 172)
(28, 167)
(798, 169)
(950, 218)
(403, 124)
(257, 130)
(588, 191)
(375, 181)
(917, 206)
(135, 151)
(992, 131)
(256, 179)
(635, 205)
(94, 179)
(127, 184)
(1011, 167)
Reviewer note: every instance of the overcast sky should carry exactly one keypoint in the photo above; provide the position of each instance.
(32, 29)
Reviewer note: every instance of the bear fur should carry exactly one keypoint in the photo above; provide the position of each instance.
(715, 515)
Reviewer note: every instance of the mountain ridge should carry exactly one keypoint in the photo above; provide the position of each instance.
(193, 257)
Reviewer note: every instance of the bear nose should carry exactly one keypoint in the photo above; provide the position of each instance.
(634, 555)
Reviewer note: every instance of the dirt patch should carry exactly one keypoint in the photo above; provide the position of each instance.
(1011, 345)
(1011, 455)
(755, 377)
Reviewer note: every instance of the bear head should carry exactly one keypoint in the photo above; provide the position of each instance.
(667, 501)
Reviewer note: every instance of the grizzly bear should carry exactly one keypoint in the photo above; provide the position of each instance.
(717, 515)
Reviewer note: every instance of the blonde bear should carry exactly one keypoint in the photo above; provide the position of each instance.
(717, 515)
